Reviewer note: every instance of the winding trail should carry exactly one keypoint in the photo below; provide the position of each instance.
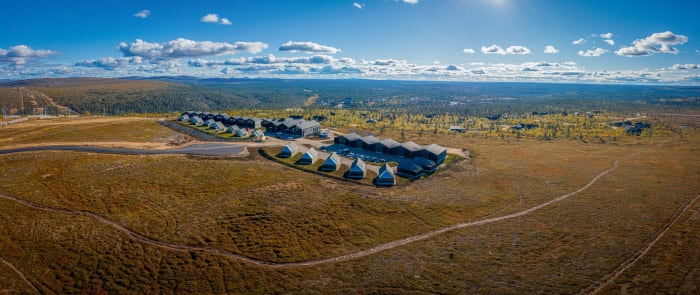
(341, 258)
(598, 286)
(20, 274)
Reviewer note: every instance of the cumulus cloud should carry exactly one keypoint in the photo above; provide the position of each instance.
(214, 18)
(517, 49)
(592, 53)
(493, 49)
(454, 68)
(358, 5)
(186, 48)
(143, 13)
(549, 49)
(468, 51)
(271, 59)
(579, 41)
(20, 54)
(607, 38)
(655, 43)
(685, 67)
(307, 47)
(606, 35)
(411, 1)
(110, 63)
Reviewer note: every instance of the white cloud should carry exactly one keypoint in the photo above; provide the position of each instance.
(20, 54)
(143, 13)
(468, 51)
(214, 18)
(110, 63)
(607, 38)
(358, 5)
(181, 47)
(592, 53)
(271, 59)
(225, 21)
(210, 18)
(685, 67)
(411, 1)
(579, 41)
(307, 47)
(493, 49)
(517, 49)
(655, 43)
(549, 49)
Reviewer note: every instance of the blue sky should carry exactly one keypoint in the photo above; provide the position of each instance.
(589, 41)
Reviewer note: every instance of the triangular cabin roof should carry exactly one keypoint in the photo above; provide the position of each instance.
(233, 128)
(290, 148)
(332, 159)
(358, 166)
(241, 132)
(219, 126)
(310, 154)
(386, 170)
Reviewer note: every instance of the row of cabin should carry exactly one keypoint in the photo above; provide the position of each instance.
(221, 127)
(358, 168)
(389, 146)
(294, 127)
(243, 122)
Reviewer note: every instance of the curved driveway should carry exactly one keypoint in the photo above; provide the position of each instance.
(202, 149)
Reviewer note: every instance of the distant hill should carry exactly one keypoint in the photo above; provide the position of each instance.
(179, 93)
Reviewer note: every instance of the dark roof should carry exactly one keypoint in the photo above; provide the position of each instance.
(435, 149)
(411, 146)
(369, 139)
(389, 143)
(409, 166)
(351, 136)
(425, 163)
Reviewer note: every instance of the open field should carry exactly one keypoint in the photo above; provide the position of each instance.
(264, 210)
(117, 131)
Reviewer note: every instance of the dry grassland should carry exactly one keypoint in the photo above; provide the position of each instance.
(264, 210)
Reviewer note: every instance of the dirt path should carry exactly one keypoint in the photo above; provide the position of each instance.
(346, 257)
(596, 287)
(20, 274)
